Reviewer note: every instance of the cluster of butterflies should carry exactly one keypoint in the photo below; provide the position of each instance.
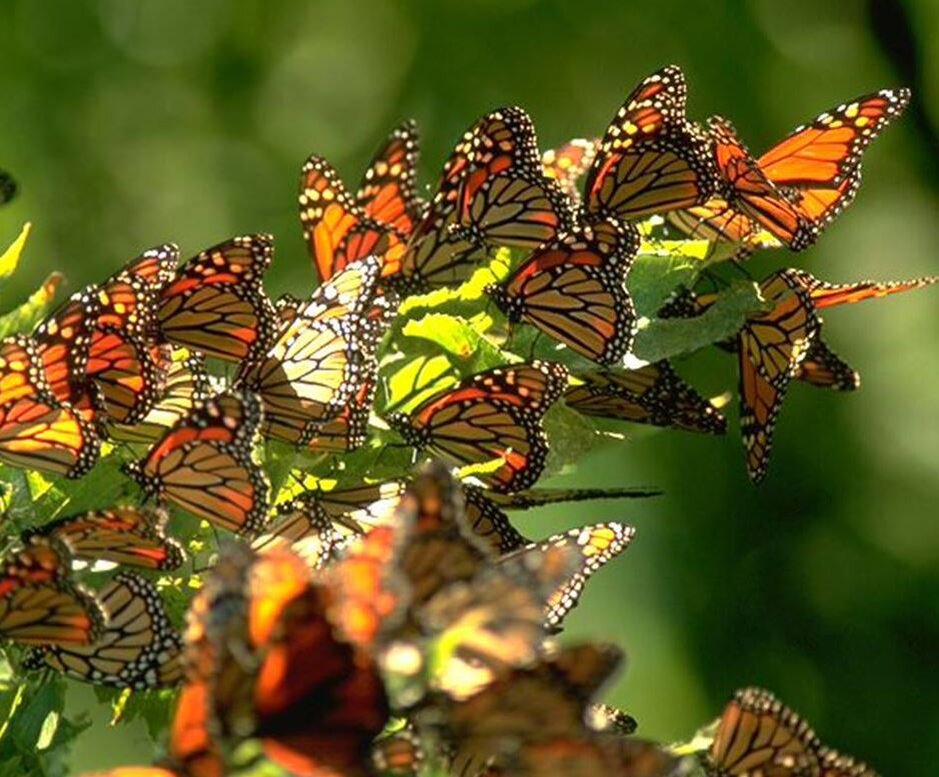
(124, 358)
(379, 630)
(426, 581)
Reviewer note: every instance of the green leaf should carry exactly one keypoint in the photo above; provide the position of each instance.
(416, 380)
(657, 272)
(10, 259)
(25, 317)
(665, 338)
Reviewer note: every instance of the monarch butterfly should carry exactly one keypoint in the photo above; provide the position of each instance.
(39, 605)
(818, 165)
(388, 192)
(311, 373)
(268, 607)
(651, 159)
(489, 416)
(185, 384)
(531, 720)
(573, 289)
(653, 394)
(757, 734)
(122, 535)
(216, 303)
(36, 431)
(504, 197)
(593, 546)
(62, 342)
(336, 229)
(748, 190)
(203, 464)
(822, 367)
(434, 255)
(568, 164)
(771, 346)
(318, 523)
(493, 621)
(96, 349)
(138, 649)
(828, 295)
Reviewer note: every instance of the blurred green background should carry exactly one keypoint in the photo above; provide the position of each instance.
(132, 123)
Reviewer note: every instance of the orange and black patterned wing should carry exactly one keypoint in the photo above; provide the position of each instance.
(322, 365)
(505, 198)
(495, 415)
(653, 394)
(216, 303)
(771, 346)
(36, 430)
(39, 605)
(336, 229)
(829, 295)
(826, 152)
(748, 190)
(204, 465)
(574, 290)
(434, 256)
(132, 536)
(138, 649)
(185, 384)
(651, 159)
(62, 344)
(569, 163)
(488, 522)
(758, 735)
(388, 192)
(822, 367)
(592, 547)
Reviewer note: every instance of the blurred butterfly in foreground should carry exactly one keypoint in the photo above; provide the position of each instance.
(309, 690)
(758, 735)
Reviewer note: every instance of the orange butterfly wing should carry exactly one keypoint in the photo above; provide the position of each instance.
(388, 192)
(337, 231)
